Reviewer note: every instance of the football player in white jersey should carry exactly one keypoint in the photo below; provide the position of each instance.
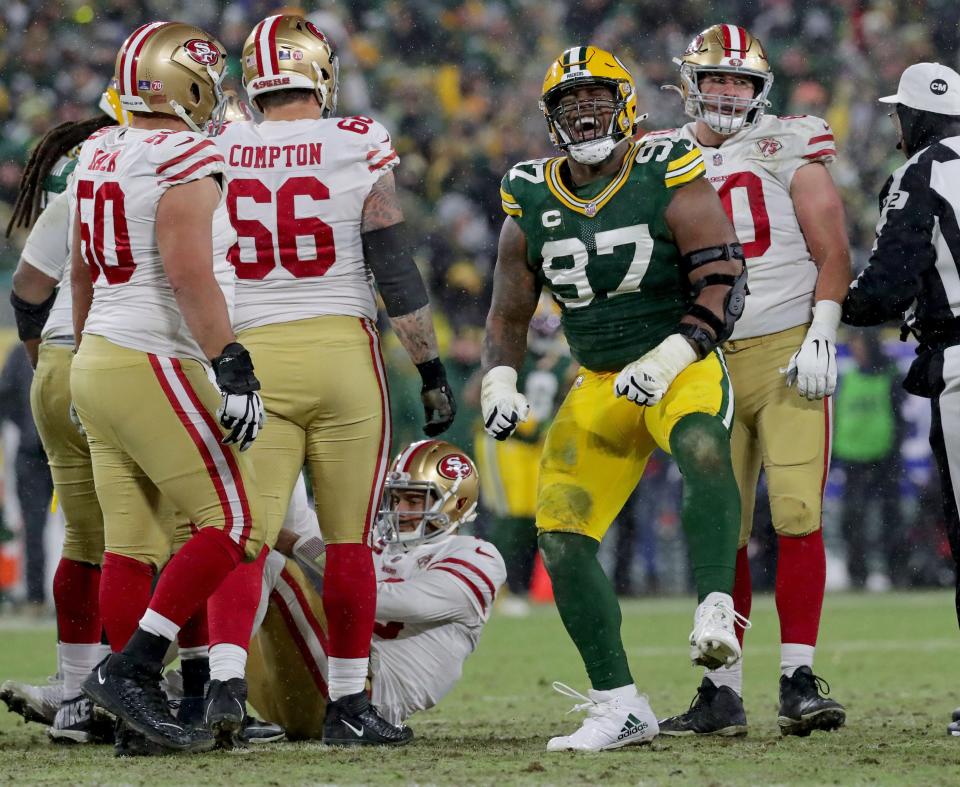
(152, 291)
(435, 592)
(311, 197)
(771, 176)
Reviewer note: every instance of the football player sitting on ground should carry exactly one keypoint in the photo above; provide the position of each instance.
(435, 591)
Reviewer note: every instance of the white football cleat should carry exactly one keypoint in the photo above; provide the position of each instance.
(35, 703)
(612, 722)
(713, 641)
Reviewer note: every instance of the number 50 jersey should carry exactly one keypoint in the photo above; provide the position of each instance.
(295, 193)
(605, 251)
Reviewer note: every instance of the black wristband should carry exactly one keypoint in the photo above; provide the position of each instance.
(233, 369)
(31, 317)
(432, 373)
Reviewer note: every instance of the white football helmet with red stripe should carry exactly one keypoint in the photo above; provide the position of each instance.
(286, 52)
(171, 68)
(726, 49)
(431, 489)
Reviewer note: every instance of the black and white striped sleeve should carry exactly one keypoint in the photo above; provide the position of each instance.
(903, 249)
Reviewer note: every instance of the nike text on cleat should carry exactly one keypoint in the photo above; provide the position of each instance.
(225, 709)
(75, 722)
(715, 710)
(34, 703)
(612, 722)
(132, 693)
(353, 721)
(713, 641)
(803, 709)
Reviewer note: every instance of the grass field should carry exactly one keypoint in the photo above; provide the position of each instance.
(892, 659)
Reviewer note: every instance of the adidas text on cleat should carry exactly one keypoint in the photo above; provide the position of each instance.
(353, 721)
(34, 703)
(224, 710)
(713, 641)
(612, 722)
(75, 722)
(803, 709)
(133, 694)
(714, 711)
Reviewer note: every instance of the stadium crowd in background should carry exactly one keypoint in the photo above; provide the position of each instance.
(457, 83)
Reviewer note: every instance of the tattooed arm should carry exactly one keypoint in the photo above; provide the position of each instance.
(515, 295)
(406, 300)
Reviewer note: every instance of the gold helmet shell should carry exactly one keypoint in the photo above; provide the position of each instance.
(286, 51)
(582, 66)
(726, 49)
(448, 479)
(172, 68)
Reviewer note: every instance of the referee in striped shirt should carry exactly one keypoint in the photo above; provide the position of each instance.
(914, 271)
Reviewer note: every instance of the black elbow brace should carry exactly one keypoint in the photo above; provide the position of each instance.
(396, 274)
(31, 317)
(733, 303)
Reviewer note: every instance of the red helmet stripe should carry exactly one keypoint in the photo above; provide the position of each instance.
(725, 29)
(256, 47)
(267, 62)
(128, 64)
(272, 41)
(743, 39)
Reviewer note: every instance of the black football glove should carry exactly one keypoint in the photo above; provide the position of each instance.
(439, 406)
(241, 410)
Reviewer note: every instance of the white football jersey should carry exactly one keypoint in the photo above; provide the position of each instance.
(295, 193)
(432, 604)
(48, 250)
(752, 172)
(120, 177)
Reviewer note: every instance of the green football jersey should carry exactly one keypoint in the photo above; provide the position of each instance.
(605, 251)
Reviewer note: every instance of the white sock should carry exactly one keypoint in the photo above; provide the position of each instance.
(732, 677)
(627, 692)
(793, 655)
(59, 663)
(155, 623)
(227, 662)
(76, 662)
(346, 676)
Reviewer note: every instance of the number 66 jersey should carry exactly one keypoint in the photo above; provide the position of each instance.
(295, 195)
(752, 173)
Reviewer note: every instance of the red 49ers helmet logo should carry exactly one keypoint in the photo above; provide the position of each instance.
(203, 52)
(454, 466)
(316, 31)
(695, 46)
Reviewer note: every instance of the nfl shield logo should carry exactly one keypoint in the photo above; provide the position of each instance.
(769, 147)
(143, 84)
(717, 159)
(591, 210)
(284, 54)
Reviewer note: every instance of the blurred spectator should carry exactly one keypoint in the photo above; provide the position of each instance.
(868, 432)
(33, 481)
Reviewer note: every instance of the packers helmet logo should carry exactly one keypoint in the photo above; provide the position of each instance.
(203, 52)
(454, 466)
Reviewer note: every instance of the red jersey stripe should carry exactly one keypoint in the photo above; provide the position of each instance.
(466, 580)
(206, 143)
(466, 564)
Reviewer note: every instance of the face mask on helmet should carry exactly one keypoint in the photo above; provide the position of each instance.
(431, 490)
(724, 114)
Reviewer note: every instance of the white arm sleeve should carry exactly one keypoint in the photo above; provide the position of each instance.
(431, 597)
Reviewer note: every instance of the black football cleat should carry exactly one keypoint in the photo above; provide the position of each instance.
(132, 693)
(715, 710)
(804, 709)
(953, 728)
(224, 710)
(257, 731)
(76, 723)
(353, 721)
(129, 743)
(189, 710)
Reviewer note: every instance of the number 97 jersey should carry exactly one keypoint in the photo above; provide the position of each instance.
(295, 194)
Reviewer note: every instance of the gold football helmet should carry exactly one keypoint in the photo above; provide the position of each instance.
(171, 68)
(583, 66)
(445, 477)
(725, 49)
(286, 51)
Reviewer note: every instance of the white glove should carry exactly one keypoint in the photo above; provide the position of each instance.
(75, 420)
(645, 381)
(502, 405)
(814, 366)
(243, 415)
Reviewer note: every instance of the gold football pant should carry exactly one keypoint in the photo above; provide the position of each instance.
(777, 428)
(288, 658)
(325, 392)
(598, 445)
(68, 456)
(155, 442)
(508, 472)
